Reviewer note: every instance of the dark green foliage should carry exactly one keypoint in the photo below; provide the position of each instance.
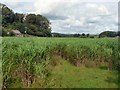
(57, 35)
(88, 35)
(7, 15)
(31, 18)
(35, 56)
(108, 34)
(92, 37)
(76, 35)
(83, 34)
(19, 17)
(6, 32)
(32, 24)
(19, 26)
(118, 33)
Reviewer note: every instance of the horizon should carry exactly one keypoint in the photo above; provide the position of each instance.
(74, 16)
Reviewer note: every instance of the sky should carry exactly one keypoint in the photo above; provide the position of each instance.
(72, 16)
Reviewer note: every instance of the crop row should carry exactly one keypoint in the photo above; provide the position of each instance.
(27, 59)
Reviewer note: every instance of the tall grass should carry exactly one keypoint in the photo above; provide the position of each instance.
(1, 63)
(27, 59)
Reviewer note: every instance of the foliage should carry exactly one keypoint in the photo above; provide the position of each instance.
(108, 34)
(65, 75)
(19, 18)
(7, 15)
(118, 33)
(19, 26)
(34, 57)
(7, 32)
(37, 25)
(76, 35)
(92, 37)
(88, 35)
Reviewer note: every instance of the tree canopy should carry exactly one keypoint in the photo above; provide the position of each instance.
(108, 34)
(32, 24)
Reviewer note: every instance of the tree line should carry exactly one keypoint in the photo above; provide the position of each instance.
(36, 25)
(83, 35)
(31, 24)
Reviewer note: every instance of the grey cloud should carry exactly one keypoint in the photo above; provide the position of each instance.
(55, 17)
(21, 7)
(76, 18)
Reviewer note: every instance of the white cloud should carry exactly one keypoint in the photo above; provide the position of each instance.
(44, 7)
(68, 16)
(96, 9)
(74, 22)
(91, 5)
(12, 1)
(94, 19)
(115, 20)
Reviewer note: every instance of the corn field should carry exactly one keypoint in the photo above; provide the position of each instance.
(25, 60)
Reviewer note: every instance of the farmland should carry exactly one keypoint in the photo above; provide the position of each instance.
(60, 62)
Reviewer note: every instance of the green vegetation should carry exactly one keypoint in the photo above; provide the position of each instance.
(1, 63)
(83, 35)
(67, 75)
(31, 24)
(36, 62)
(109, 34)
(60, 62)
(36, 25)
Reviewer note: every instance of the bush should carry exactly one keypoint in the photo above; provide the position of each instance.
(92, 37)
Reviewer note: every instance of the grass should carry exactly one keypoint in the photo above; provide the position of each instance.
(60, 62)
(1, 78)
(65, 75)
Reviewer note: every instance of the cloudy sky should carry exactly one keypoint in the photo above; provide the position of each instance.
(72, 16)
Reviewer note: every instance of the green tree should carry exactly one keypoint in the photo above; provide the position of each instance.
(88, 35)
(31, 18)
(19, 26)
(18, 17)
(108, 34)
(7, 15)
(32, 27)
(76, 35)
(118, 33)
(38, 24)
(83, 34)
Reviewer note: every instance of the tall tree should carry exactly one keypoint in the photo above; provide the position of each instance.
(88, 35)
(118, 33)
(41, 25)
(7, 15)
(36, 24)
(83, 34)
(18, 17)
(31, 18)
(108, 34)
